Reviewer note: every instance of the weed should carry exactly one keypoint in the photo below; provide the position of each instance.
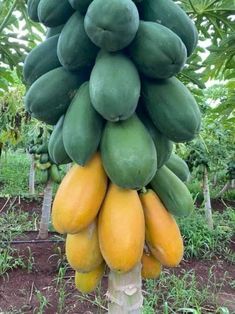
(14, 222)
(59, 256)
(180, 294)
(200, 242)
(43, 303)
(9, 259)
(61, 288)
(30, 260)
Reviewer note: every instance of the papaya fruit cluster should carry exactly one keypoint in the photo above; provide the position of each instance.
(39, 148)
(106, 224)
(105, 78)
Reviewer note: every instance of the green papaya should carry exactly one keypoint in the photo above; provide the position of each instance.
(54, 174)
(32, 149)
(37, 156)
(80, 5)
(82, 127)
(162, 144)
(45, 166)
(173, 192)
(32, 10)
(42, 149)
(157, 51)
(44, 158)
(52, 31)
(56, 145)
(179, 167)
(172, 108)
(169, 14)
(53, 13)
(44, 176)
(75, 49)
(128, 153)
(113, 24)
(49, 97)
(42, 59)
(114, 86)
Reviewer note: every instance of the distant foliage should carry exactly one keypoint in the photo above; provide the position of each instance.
(18, 35)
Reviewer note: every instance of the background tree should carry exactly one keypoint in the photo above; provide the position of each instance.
(18, 35)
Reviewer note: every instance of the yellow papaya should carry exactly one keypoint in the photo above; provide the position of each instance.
(79, 197)
(161, 231)
(151, 267)
(82, 249)
(121, 229)
(87, 282)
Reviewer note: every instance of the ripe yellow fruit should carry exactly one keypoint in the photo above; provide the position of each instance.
(82, 249)
(79, 197)
(121, 229)
(151, 267)
(161, 230)
(87, 282)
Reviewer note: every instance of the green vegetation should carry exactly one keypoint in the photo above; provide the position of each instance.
(14, 173)
(182, 293)
(13, 223)
(202, 243)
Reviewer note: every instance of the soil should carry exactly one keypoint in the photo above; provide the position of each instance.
(25, 204)
(219, 204)
(18, 289)
(22, 288)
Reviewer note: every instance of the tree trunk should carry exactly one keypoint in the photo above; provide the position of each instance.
(124, 292)
(46, 211)
(1, 147)
(207, 199)
(233, 183)
(32, 175)
(226, 187)
(215, 179)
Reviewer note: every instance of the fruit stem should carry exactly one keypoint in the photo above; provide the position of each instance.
(144, 190)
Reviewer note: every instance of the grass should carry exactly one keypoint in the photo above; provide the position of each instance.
(13, 223)
(200, 242)
(14, 174)
(181, 293)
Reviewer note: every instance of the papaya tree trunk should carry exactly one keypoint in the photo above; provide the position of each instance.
(215, 179)
(46, 211)
(225, 188)
(207, 199)
(1, 147)
(32, 175)
(125, 293)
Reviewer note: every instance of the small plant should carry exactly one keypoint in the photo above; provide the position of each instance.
(61, 288)
(43, 303)
(10, 260)
(59, 256)
(30, 260)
